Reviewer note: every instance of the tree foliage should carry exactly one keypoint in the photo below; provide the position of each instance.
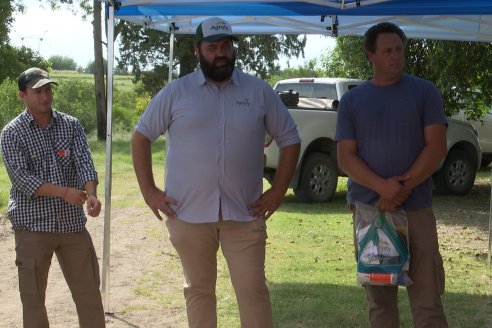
(13, 60)
(347, 59)
(461, 70)
(11, 105)
(260, 53)
(6, 11)
(308, 69)
(59, 62)
(146, 51)
(17, 60)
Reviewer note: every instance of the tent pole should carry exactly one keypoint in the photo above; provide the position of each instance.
(490, 222)
(107, 199)
(171, 56)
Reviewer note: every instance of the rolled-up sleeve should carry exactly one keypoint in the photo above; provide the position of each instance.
(84, 164)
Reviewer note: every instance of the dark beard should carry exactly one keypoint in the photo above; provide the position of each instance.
(215, 73)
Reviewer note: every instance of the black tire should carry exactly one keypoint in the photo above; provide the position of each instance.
(457, 175)
(318, 179)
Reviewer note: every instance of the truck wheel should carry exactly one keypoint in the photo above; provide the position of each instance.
(318, 178)
(457, 175)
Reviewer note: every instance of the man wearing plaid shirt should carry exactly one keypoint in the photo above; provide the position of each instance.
(52, 173)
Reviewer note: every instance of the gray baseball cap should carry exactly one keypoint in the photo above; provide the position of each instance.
(213, 29)
(33, 78)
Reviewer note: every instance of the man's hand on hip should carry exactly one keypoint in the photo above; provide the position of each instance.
(157, 200)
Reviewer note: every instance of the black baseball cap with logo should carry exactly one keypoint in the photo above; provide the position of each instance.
(33, 78)
(213, 29)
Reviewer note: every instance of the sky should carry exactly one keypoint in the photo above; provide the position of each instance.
(61, 33)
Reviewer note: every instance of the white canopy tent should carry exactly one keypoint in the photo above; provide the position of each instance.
(469, 20)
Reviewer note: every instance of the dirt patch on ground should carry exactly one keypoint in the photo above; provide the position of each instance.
(135, 257)
(134, 235)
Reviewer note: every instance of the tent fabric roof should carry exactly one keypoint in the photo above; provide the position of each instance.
(450, 19)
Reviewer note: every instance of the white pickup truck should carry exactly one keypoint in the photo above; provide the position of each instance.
(313, 104)
(484, 130)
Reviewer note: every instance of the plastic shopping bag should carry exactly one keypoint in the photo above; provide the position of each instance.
(382, 245)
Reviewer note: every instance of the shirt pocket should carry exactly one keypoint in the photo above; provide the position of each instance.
(245, 117)
(63, 152)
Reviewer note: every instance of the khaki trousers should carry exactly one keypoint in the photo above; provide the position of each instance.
(243, 246)
(77, 257)
(427, 274)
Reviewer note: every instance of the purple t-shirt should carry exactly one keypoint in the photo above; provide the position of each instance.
(387, 122)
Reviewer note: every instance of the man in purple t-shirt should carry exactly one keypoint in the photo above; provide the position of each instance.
(391, 136)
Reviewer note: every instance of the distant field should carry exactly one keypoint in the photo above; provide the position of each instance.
(121, 82)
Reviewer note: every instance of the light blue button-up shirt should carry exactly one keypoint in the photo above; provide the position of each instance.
(215, 142)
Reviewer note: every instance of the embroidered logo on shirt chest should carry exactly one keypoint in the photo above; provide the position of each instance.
(243, 102)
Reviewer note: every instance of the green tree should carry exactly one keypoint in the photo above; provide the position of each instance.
(146, 51)
(347, 59)
(461, 70)
(17, 60)
(260, 53)
(90, 68)
(59, 62)
(9, 64)
(308, 69)
(7, 8)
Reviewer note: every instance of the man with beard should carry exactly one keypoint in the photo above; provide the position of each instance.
(216, 119)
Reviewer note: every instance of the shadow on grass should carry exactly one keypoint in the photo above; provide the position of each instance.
(322, 305)
(471, 210)
(336, 205)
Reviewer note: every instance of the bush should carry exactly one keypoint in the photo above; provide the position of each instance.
(124, 105)
(11, 105)
(142, 103)
(77, 98)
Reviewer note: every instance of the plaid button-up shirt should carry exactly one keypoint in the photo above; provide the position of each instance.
(58, 154)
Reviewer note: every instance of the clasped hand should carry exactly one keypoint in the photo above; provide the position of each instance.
(394, 194)
(79, 197)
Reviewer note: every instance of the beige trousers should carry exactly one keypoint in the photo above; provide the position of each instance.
(77, 257)
(243, 246)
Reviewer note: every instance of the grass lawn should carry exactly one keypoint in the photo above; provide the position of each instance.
(310, 263)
